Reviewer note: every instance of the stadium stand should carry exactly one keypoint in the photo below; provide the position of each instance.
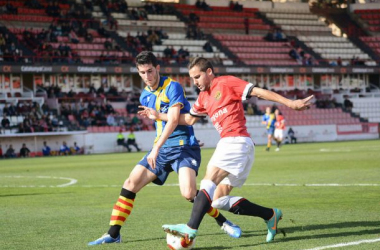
(312, 30)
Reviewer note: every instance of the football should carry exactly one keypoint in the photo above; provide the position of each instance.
(176, 242)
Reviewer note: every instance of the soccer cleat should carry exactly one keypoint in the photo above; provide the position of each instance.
(267, 149)
(181, 229)
(277, 149)
(272, 224)
(106, 238)
(231, 229)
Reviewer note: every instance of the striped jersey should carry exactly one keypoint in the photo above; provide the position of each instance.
(167, 94)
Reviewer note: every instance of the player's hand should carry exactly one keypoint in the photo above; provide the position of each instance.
(152, 157)
(201, 144)
(302, 104)
(148, 113)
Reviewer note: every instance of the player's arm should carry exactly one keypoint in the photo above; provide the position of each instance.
(184, 119)
(300, 104)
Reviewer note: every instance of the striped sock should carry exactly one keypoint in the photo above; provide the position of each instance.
(121, 211)
(214, 213)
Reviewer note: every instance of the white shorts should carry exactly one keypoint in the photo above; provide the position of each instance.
(279, 134)
(234, 155)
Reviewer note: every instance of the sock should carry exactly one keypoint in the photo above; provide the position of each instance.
(121, 211)
(214, 213)
(201, 205)
(278, 144)
(245, 207)
(269, 144)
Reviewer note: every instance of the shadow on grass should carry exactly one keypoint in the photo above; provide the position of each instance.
(373, 225)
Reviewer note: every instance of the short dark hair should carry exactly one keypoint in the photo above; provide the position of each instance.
(202, 63)
(146, 57)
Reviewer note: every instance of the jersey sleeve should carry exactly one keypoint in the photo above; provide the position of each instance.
(239, 88)
(175, 94)
(198, 109)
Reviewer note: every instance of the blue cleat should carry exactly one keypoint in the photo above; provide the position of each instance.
(272, 224)
(181, 229)
(105, 239)
(231, 229)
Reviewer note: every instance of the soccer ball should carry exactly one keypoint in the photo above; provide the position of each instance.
(176, 242)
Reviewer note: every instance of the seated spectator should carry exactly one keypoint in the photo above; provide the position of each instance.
(46, 150)
(291, 135)
(10, 9)
(203, 5)
(280, 36)
(10, 153)
(250, 110)
(207, 47)
(269, 36)
(64, 149)
(235, 6)
(108, 45)
(120, 138)
(5, 123)
(24, 151)
(111, 120)
(76, 150)
(1, 152)
(131, 140)
(193, 17)
(348, 105)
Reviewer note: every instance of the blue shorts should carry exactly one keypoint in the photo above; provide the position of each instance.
(172, 159)
(270, 131)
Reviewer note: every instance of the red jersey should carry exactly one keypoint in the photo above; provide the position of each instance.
(223, 104)
(280, 122)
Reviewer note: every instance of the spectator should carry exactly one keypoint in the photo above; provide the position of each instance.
(269, 36)
(131, 140)
(1, 152)
(46, 150)
(250, 110)
(24, 151)
(291, 135)
(339, 61)
(10, 153)
(5, 123)
(207, 47)
(120, 138)
(111, 120)
(348, 105)
(64, 149)
(75, 150)
(246, 25)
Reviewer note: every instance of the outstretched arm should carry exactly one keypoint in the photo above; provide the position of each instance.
(299, 104)
(184, 119)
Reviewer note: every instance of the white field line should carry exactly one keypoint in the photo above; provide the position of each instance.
(74, 181)
(71, 181)
(353, 243)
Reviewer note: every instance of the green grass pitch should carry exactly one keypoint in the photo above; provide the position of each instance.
(40, 210)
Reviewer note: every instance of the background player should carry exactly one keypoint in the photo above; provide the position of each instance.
(269, 120)
(279, 128)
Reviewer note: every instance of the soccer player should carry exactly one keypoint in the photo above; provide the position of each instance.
(175, 149)
(279, 128)
(269, 120)
(221, 99)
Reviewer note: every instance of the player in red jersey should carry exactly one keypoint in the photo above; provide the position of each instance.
(279, 128)
(221, 99)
